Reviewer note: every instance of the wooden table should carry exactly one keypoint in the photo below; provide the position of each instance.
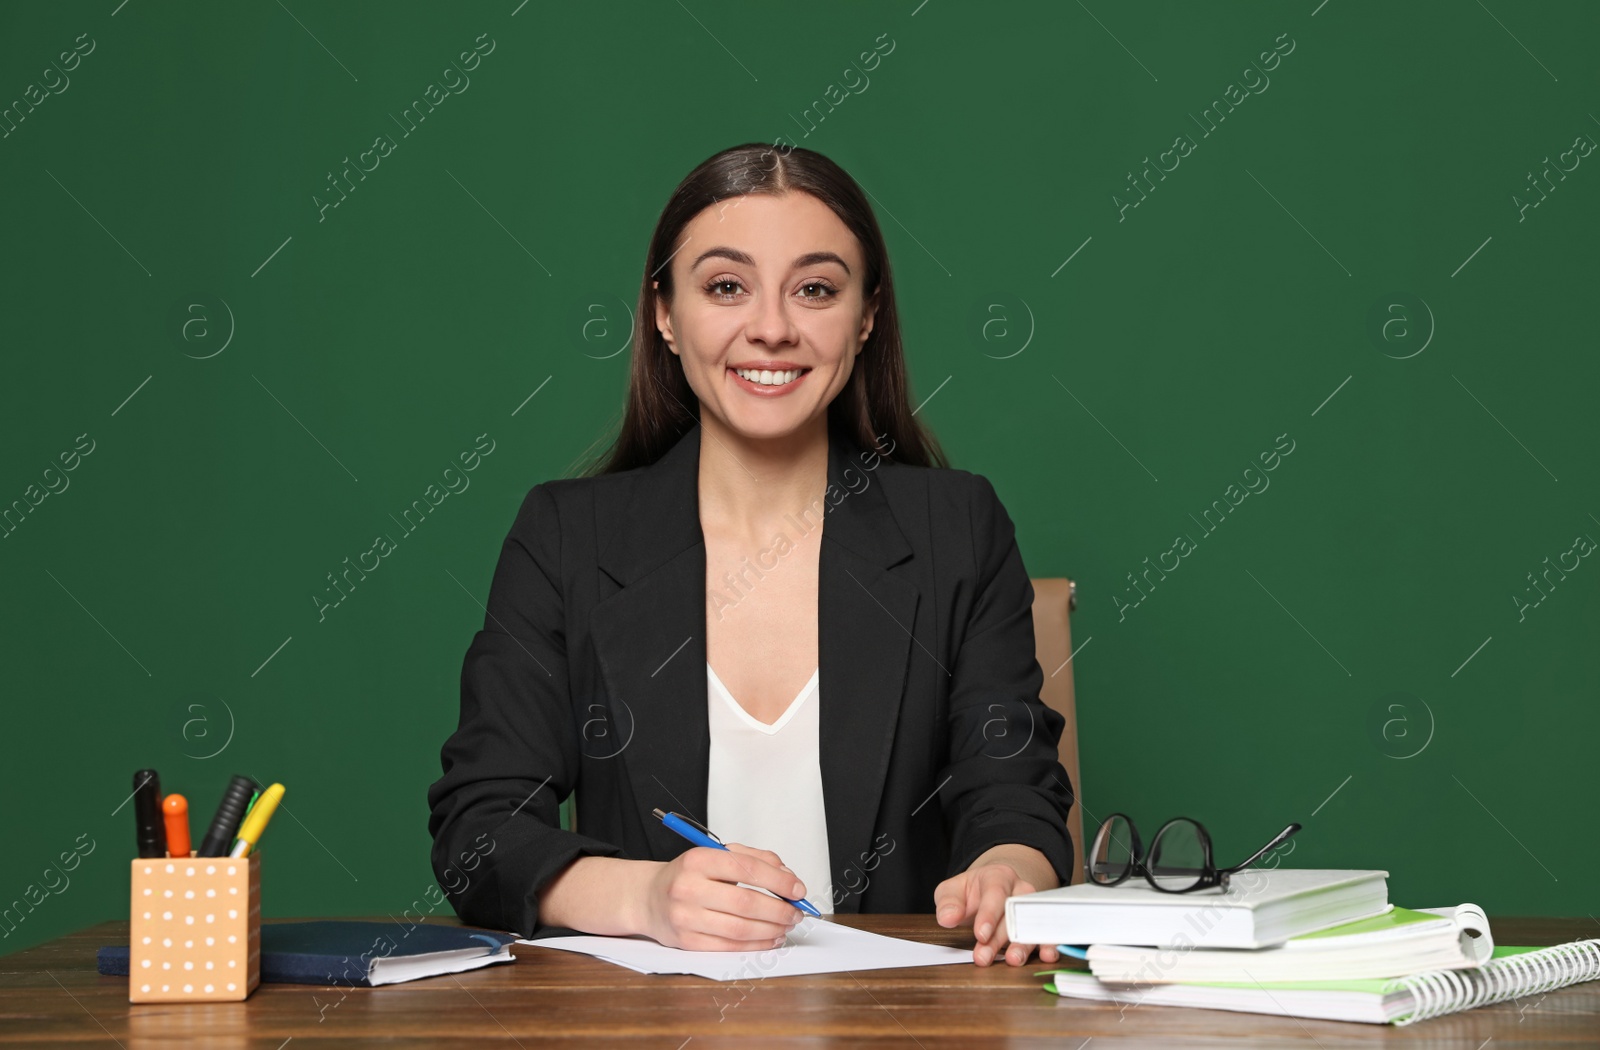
(51, 996)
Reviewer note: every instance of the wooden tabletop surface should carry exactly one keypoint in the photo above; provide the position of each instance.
(51, 996)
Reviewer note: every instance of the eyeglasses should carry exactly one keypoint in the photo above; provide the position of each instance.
(1179, 860)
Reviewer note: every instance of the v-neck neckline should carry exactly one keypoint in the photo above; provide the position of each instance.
(752, 720)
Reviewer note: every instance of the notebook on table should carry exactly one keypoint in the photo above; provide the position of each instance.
(1261, 907)
(1510, 974)
(358, 954)
(1397, 943)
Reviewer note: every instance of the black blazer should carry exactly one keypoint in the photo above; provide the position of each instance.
(589, 676)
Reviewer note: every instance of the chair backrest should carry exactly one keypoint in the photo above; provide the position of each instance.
(1053, 601)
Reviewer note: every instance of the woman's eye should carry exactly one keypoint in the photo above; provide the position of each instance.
(811, 290)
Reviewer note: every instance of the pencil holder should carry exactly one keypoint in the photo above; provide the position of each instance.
(194, 930)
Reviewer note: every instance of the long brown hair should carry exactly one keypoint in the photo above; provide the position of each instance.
(873, 409)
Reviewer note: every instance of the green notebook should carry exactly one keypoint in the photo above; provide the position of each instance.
(1397, 943)
(1511, 973)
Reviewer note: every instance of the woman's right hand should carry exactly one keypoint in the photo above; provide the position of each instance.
(693, 902)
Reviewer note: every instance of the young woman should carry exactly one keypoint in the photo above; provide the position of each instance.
(772, 609)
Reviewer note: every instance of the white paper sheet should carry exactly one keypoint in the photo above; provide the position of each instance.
(814, 946)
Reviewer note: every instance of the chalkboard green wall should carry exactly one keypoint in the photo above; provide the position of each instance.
(1143, 252)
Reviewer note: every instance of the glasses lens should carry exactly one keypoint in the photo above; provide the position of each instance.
(1113, 851)
(1177, 856)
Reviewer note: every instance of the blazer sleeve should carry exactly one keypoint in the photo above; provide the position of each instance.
(495, 813)
(1006, 784)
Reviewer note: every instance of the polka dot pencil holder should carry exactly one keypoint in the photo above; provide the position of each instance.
(194, 929)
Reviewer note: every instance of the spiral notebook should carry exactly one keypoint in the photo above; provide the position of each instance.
(1511, 974)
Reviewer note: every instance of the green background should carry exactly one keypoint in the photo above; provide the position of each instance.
(160, 608)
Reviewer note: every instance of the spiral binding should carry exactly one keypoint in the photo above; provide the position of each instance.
(1509, 977)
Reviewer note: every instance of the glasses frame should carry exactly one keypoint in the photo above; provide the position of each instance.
(1210, 874)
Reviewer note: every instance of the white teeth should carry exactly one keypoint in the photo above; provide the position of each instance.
(767, 377)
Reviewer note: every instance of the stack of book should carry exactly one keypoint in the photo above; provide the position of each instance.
(1305, 943)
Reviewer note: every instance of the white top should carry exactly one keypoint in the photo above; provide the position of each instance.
(764, 787)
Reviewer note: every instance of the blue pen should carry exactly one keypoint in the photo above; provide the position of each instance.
(705, 838)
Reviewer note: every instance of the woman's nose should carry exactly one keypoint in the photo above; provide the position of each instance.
(769, 320)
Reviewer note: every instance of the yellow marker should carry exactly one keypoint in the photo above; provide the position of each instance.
(255, 822)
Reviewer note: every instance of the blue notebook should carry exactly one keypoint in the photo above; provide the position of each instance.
(357, 954)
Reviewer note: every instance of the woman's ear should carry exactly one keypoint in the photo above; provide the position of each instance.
(664, 319)
(869, 316)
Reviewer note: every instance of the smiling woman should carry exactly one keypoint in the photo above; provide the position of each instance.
(834, 288)
(832, 721)
(794, 335)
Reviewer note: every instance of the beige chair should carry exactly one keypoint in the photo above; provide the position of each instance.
(1053, 602)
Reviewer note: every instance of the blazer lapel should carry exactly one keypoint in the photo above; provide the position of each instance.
(650, 640)
(865, 614)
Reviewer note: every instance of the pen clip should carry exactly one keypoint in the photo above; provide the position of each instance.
(707, 832)
(712, 835)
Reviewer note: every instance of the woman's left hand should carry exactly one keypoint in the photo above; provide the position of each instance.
(978, 895)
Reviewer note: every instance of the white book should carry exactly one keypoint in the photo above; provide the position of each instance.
(1261, 907)
(1397, 943)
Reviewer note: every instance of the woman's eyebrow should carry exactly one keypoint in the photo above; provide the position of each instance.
(744, 259)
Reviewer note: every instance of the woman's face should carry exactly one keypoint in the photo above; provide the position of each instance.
(768, 311)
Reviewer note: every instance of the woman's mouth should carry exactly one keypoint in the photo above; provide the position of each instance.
(766, 382)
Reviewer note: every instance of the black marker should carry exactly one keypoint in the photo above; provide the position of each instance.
(219, 836)
(149, 823)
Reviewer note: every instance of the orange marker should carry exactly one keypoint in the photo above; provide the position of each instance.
(176, 810)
